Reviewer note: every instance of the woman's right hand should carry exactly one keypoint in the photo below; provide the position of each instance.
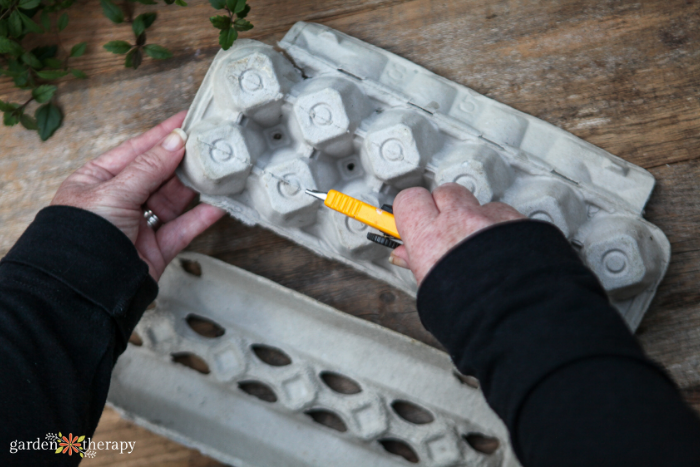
(431, 224)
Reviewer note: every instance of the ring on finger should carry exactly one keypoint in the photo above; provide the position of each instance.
(151, 219)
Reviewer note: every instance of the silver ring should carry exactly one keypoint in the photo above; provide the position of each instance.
(151, 219)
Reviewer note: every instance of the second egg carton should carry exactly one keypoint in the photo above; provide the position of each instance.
(257, 375)
(337, 113)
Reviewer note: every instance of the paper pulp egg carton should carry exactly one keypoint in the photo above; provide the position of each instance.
(286, 381)
(333, 112)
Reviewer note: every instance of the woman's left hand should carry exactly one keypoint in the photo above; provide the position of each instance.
(136, 176)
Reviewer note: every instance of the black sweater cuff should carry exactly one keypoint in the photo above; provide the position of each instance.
(93, 257)
(513, 304)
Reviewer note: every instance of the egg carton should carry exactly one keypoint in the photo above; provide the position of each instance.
(332, 112)
(254, 374)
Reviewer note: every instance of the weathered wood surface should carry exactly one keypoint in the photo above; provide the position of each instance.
(620, 74)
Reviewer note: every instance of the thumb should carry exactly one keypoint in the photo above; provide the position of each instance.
(149, 170)
(399, 257)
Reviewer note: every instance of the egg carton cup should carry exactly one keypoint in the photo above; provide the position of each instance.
(336, 390)
(332, 112)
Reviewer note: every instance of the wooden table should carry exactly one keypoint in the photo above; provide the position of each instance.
(623, 75)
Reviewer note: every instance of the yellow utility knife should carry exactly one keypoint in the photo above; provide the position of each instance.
(359, 210)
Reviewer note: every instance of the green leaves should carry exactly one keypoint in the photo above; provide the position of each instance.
(44, 93)
(10, 114)
(48, 119)
(36, 70)
(14, 114)
(133, 58)
(29, 4)
(7, 107)
(242, 25)
(62, 22)
(134, 53)
(45, 20)
(29, 24)
(31, 60)
(10, 118)
(28, 122)
(53, 63)
(236, 6)
(18, 71)
(45, 51)
(158, 52)
(240, 6)
(8, 46)
(15, 23)
(51, 74)
(148, 19)
(228, 26)
(118, 47)
(221, 21)
(143, 22)
(227, 37)
(27, 67)
(112, 11)
(244, 13)
(78, 49)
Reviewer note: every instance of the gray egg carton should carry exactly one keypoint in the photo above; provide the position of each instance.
(333, 112)
(383, 388)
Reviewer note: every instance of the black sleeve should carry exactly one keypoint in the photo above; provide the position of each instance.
(516, 308)
(71, 291)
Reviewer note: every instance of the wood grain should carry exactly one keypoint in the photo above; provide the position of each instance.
(150, 449)
(670, 332)
(622, 75)
(618, 73)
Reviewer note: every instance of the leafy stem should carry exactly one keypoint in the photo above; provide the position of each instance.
(9, 10)
(37, 70)
(21, 107)
(232, 22)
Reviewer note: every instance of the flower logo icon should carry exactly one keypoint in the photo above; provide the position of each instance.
(70, 444)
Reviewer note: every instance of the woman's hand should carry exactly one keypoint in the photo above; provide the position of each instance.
(136, 176)
(430, 225)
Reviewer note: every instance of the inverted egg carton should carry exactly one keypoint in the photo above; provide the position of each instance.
(256, 375)
(333, 112)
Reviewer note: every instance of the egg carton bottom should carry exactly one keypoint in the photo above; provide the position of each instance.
(337, 113)
(250, 332)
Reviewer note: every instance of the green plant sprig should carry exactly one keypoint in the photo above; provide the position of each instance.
(232, 22)
(134, 52)
(34, 70)
(38, 70)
